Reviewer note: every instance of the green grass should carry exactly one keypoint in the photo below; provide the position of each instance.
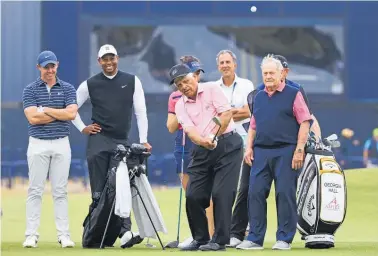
(357, 236)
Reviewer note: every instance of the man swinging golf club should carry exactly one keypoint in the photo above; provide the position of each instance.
(182, 151)
(215, 166)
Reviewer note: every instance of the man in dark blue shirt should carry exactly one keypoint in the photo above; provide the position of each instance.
(277, 136)
(239, 217)
(49, 104)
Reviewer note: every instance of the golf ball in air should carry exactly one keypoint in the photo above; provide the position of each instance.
(253, 9)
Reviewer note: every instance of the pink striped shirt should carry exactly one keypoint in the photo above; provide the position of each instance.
(300, 109)
(198, 113)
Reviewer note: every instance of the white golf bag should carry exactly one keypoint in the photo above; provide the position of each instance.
(321, 197)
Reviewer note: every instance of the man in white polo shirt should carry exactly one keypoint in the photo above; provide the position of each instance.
(236, 90)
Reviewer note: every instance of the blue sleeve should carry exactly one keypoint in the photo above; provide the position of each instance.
(70, 95)
(28, 98)
(367, 145)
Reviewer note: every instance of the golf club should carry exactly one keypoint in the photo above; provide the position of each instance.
(331, 141)
(332, 137)
(174, 244)
(217, 121)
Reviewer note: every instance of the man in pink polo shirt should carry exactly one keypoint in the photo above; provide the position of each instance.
(277, 136)
(173, 126)
(215, 166)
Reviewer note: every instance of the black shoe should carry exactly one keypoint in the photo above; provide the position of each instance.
(193, 246)
(136, 239)
(212, 247)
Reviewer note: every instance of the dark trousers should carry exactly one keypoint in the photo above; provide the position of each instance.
(100, 152)
(239, 221)
(213, 174)
(268, 165)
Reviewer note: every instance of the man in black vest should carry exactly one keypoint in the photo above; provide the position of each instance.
(277, 136)
(113, 94)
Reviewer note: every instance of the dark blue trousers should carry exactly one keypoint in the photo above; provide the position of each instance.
(268, 165)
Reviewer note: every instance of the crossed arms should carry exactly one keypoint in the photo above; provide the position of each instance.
(44, 115)
(47, 115)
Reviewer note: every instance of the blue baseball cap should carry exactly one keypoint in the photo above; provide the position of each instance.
(282, 59)
(47, 57)
(194, 66)
(179, 70)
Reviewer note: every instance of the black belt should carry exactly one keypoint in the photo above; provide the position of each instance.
(225, 135)
(50, 138)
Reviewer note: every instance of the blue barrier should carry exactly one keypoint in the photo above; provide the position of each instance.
(161, 168)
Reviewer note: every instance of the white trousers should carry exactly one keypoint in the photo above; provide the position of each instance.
(51, 157)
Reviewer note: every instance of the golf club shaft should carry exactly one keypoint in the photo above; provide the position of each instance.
(148, 214)
(181, 187)
(107, 224)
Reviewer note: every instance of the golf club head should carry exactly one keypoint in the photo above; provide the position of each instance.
(335, 144)
(120, 152)
(217, 120)
(172, 244)
(332, 137)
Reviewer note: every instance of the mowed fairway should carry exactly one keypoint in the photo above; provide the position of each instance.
(357, 236)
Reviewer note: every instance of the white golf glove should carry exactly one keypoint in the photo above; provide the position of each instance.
(211, 136)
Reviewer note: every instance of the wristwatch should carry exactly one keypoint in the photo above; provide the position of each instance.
(299, 150)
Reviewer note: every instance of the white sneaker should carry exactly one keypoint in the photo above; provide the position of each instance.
(30, 242)
(249, 245)
(233, 242)
(66, 242)
(185, 243)
(281, 245)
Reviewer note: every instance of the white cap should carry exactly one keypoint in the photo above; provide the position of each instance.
(107, 49)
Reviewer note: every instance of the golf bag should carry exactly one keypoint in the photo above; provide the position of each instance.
(101, 211)
(321, 198)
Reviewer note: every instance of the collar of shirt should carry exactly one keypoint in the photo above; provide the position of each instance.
(111, 77)
(280, 88)
(41, 82)
(220, 81)
(199, 90)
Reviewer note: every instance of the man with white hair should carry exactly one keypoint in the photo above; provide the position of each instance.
(277, 136)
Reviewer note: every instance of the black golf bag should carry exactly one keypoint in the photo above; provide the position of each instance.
(100, 213)
(321, 198)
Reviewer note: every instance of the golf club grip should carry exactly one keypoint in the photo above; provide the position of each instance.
(216, 134)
